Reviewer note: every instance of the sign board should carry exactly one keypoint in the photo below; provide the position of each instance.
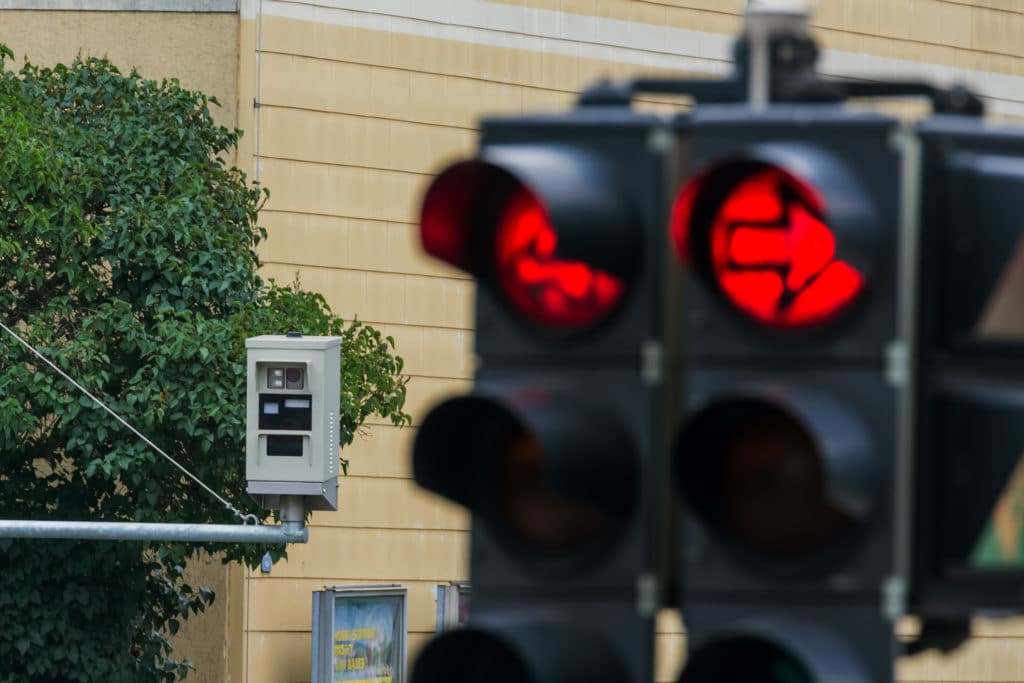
(359, 634)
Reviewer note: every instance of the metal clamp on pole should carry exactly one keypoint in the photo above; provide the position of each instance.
(774, 62)
(778, 46)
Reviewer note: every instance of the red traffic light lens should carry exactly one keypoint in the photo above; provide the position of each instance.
(766, 244)
(542, 286)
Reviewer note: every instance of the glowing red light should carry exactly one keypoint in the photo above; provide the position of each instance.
(542, 286)
(773, 255)
(445, 213)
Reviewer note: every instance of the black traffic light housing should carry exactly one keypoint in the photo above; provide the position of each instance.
(970, 433)
(821, 361)
(786, 456)
(561, 220)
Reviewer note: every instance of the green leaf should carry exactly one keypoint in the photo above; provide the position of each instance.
(128, 253)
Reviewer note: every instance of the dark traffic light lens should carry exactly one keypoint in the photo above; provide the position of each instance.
(760, 236)
(469, 656)
(522, 651)
(548, 289)
(757, 477)
(528, 506)
(547, 476)
(744, 660)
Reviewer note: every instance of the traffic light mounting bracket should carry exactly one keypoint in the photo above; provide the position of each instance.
(774, 61)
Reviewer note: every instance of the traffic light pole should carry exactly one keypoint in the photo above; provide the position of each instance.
(291, 530)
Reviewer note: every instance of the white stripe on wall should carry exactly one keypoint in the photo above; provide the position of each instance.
(611, 40)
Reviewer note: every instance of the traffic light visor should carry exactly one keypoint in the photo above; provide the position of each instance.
(761, 237)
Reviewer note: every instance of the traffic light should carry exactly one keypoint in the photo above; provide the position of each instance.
(561, 220)
(787, 452)
(971, 395)
(766, 337)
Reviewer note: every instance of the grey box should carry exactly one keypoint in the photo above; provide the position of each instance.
(291, 449)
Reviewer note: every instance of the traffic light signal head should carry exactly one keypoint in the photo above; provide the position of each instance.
(788, 231)
(561, 221)
(784, 459)
(766, 238)
(970, 437)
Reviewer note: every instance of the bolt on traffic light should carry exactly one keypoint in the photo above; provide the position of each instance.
(561, 221)
(786, 454)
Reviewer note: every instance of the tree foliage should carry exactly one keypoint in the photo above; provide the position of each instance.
(128, 257)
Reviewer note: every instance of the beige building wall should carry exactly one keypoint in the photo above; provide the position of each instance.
(360, 102)
(200, 49)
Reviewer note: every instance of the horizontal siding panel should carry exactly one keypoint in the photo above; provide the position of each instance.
(360, 141)
(279, 657)
(423, 393)
(550, 76)
(1013, 6)
(415, 95)
(939, 23)
(979, 659)
(350, 191)
(997, 31)
(381, 451)
(390, 503)
(426, 392)
(857, 17)
(355, 243)
(420, 53)
(378, 554)
(433, 351)
(291, 81)
(385, 297)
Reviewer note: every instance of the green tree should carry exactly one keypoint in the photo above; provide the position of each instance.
(128, 257)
